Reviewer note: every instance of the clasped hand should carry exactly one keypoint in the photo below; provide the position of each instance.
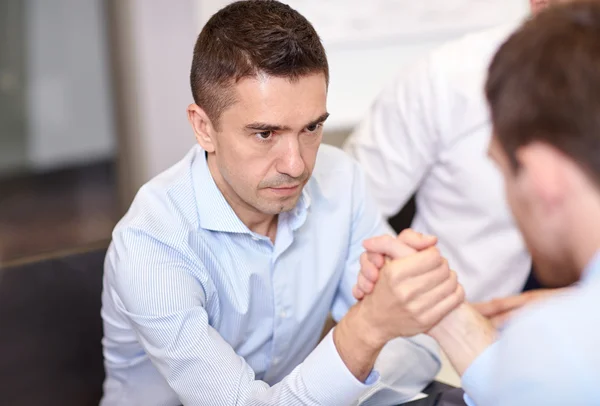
(405, 285)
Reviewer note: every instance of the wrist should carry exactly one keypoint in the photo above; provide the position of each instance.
(447, 326)
(372, 333)
(463, 335)
(463, 322)
(355, 344)
(356, 324)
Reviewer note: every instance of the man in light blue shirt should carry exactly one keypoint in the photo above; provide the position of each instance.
(221, 275)
(543, 89)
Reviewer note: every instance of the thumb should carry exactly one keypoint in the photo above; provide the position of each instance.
(416, 240)
(389, 246)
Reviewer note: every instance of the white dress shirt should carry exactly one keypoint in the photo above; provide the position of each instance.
(429, 132)
(200, 310)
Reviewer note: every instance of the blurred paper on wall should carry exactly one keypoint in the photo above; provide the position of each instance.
(354, 22)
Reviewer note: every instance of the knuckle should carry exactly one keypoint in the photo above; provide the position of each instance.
(422, 320)
(436, 256)
(453, 278)
(364, 258)
(371, 256)
(460, 292)
(364, 284)
(445, 269)
(387, 273)
(404, 297)
(361, 279)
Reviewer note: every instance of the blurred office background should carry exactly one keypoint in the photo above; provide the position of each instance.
(93, 96)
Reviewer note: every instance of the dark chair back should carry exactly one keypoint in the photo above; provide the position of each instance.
(51, 331)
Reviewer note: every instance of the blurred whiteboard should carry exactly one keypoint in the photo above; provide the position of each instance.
(356, 22)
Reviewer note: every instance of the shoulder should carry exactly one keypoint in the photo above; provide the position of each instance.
(461, 66)
(472, 52)
(164, 207)
(151, 254)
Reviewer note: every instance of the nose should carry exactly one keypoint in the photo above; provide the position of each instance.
(290, 161)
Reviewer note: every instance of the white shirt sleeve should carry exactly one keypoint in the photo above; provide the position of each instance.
(396, 143)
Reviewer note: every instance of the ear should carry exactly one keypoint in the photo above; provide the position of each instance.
(544, 170)
(202, 126)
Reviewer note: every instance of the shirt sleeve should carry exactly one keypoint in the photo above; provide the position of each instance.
(165, 301)
(533, 363)
(405, 366)
(396, 143)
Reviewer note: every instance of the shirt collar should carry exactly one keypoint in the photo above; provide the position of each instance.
(215, 213)
(592, 270)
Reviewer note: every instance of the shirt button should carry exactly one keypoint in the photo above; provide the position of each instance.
(283, 314)
(276, 360)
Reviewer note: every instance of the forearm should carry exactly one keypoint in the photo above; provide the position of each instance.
(356, 343)
(463, 335)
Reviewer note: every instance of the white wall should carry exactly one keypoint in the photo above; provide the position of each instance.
(154, 41)
(69, 113)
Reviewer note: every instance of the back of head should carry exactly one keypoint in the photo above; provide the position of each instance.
(251, 38)
(544, 85)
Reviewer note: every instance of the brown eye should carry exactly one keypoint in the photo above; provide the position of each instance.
(313, 128)
(264, 135)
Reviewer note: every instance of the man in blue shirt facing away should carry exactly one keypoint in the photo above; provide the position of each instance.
(221, 275)
(543, 89)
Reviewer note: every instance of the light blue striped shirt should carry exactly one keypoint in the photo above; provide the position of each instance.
(550, 354)
(199, 310)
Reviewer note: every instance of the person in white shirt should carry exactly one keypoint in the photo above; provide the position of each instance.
(428, 133)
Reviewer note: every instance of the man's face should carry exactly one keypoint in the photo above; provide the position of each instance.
(267, 142)
(536, 199)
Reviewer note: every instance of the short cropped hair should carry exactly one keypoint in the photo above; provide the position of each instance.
(249, 38)
(544, 85)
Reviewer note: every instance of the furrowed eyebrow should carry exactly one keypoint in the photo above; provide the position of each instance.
(318, 120)
(266, 127)
(274, 127)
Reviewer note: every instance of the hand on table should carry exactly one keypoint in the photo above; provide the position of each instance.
(499, 311)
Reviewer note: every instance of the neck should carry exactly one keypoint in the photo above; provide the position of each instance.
(256, 221)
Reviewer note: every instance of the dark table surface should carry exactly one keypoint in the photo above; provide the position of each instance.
(50, 332)
(440, 394)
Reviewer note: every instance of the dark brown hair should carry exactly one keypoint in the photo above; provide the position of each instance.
(544, 85)
(248, 38)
